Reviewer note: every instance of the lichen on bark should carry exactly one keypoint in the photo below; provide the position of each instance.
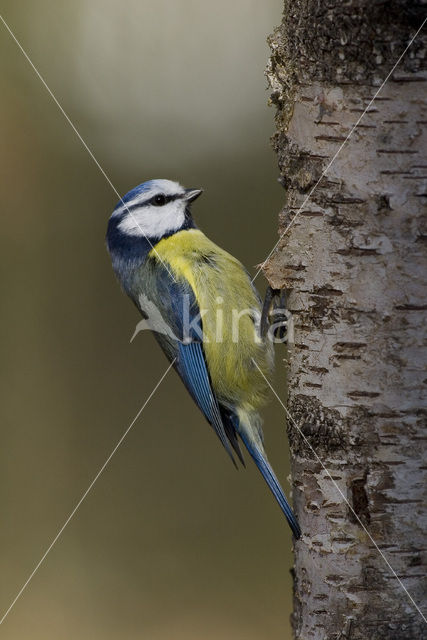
(353, 263)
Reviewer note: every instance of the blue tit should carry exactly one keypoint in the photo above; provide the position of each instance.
(204, 313)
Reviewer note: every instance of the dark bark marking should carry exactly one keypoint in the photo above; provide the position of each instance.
(360, 502)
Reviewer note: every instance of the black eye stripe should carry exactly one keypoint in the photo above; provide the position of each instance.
(168, 198)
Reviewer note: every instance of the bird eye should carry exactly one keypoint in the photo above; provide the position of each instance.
(159, 200)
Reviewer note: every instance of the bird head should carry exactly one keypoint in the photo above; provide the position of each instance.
(154, 209)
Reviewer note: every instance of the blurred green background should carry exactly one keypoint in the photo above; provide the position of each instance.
(172, 542)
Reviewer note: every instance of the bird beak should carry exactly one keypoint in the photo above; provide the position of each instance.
(192, 194)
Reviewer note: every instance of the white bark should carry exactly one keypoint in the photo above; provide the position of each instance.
(353, 261)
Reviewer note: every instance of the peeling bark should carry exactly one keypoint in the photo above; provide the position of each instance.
(353, 262)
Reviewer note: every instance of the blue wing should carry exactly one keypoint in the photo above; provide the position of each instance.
(194, 372)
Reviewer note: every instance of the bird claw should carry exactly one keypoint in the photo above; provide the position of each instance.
(274, 313)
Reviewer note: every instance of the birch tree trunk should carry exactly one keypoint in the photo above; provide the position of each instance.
(352, 261)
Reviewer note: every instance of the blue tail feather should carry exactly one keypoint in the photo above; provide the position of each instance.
(273, 483)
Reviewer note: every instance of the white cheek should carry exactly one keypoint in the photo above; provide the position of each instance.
(153, 222)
